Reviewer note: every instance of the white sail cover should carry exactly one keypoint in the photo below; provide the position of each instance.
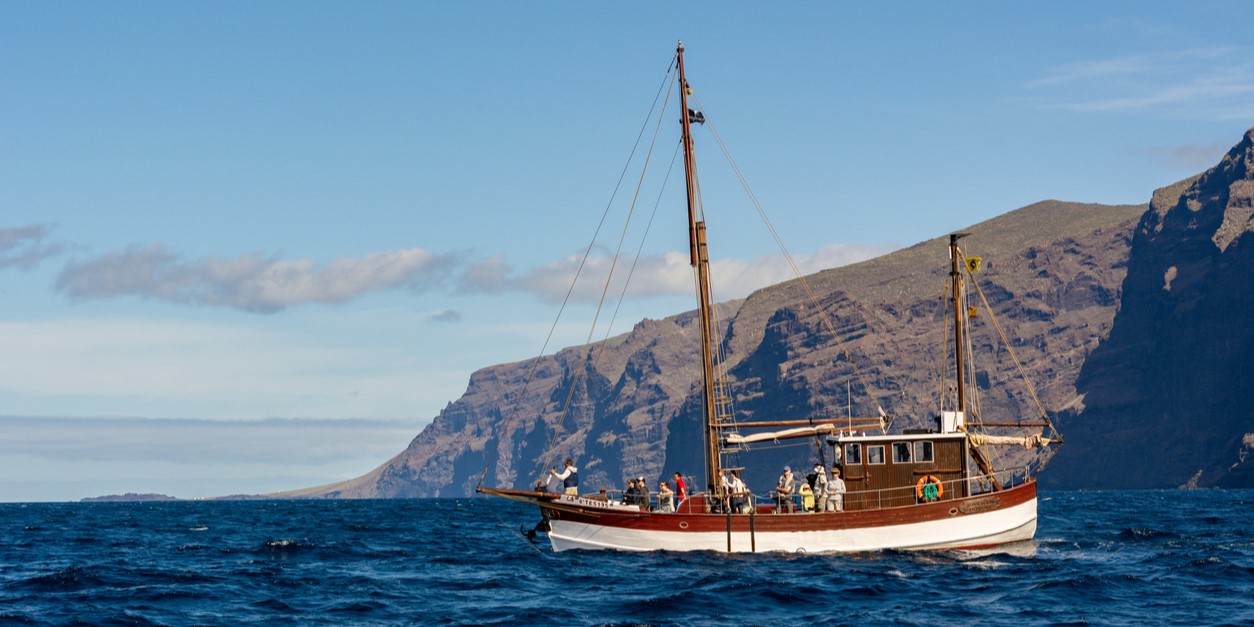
(771, 436)
(1029, 441)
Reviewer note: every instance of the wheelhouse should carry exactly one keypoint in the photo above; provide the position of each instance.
(894, 470)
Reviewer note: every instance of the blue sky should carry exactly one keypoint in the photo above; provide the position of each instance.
(248, 247)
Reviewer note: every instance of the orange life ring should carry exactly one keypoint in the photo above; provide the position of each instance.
(929, 488)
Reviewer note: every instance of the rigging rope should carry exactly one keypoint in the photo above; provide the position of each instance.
(792, 263)
(589, 346)
(1019, 366)
(944, 351)
(666, 80)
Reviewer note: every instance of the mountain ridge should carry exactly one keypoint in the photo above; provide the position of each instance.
(1051, 265)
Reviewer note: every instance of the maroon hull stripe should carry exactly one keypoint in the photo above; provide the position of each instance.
(765, 523)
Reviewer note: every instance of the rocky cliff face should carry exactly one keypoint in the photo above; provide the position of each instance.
(1052, 274)
(1167, 401)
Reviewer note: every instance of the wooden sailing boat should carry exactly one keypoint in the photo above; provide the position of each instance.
(922, 489)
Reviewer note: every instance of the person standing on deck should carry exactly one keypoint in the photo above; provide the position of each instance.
(569, 477)
(739, 494)
(820, 487)
(836, 491)
(784, 490)
(724, 491)
(665, 498)
(681, 489)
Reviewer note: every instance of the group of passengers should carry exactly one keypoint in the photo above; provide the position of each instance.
(668, 500)
(818, 493)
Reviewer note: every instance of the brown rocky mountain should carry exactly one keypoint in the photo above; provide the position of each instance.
(1167, 400)
(1052, 273)
(1131, 322)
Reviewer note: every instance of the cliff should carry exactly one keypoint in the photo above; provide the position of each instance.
(1131, 322)
(1165, 399)
(1052, 271)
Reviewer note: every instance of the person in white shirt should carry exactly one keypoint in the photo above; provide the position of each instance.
(569, 477)
(739, 493)
(820, 487)
(784, 490)
(836, 491)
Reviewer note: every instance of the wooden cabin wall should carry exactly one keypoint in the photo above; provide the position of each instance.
(892, 484)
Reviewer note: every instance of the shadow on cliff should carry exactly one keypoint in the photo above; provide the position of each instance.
(1167, 401)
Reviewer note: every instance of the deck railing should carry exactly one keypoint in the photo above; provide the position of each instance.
(861, 499)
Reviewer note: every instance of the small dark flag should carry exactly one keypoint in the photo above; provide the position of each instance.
(696, 117)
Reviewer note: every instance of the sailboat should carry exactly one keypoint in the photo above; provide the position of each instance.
(921, 488)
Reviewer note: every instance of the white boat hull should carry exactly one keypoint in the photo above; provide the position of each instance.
(1003, 526)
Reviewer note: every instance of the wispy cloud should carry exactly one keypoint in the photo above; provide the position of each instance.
(23, 247)
(657, 275)
(448, 315)
(1213, 83)
(1192, 156)
(269, 284)
(249, 282)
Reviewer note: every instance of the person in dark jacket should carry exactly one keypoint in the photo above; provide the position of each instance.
(631, 494)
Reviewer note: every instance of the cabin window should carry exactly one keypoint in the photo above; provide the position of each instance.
(901, 452)
(923, 452)
(875, 454)
(853, 454)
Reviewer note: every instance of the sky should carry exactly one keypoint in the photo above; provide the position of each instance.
(249, 247)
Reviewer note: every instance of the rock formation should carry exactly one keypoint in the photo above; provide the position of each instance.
(1052, 273)
(1165, 400)
(1154, 396)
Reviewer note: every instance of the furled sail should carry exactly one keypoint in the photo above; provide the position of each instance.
(1030, 441)
(771, 436)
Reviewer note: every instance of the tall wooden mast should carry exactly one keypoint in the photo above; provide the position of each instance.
(700, 260)
(955, 281)
(956, 264)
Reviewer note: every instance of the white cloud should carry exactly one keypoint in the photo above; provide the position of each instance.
(249, 282)
(267, 285)
(671, 274)
(1214, 83)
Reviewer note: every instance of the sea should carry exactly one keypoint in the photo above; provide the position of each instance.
(1099, 558)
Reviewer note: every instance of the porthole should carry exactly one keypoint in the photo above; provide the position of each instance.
(683, 524)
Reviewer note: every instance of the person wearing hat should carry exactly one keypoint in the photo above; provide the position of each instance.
(836, 491)
(784, 490)
(820, 487)
(643, 492)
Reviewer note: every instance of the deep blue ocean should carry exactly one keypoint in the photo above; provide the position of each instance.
(1104, 558)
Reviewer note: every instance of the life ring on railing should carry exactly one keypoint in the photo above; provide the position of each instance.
(929, 488)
